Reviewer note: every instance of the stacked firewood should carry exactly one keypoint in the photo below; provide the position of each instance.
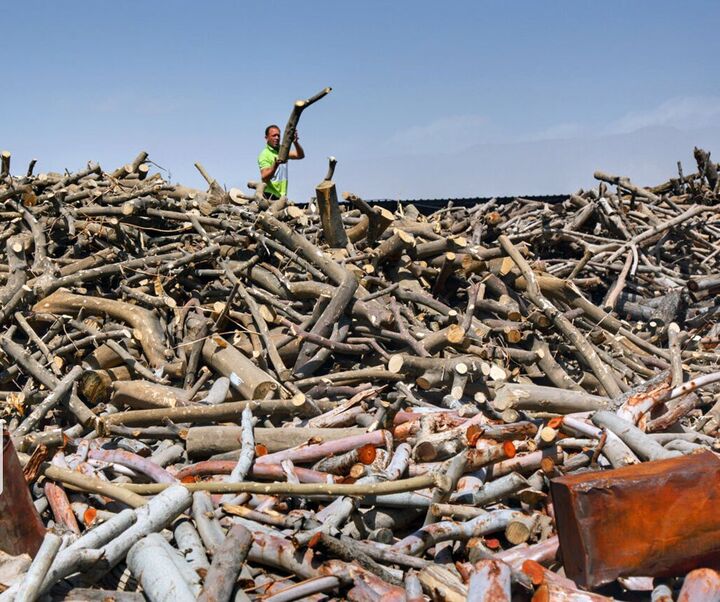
(210, 395)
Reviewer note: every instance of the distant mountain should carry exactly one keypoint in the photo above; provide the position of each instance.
(648, 156)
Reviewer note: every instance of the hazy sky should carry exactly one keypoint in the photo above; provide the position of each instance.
(429, 100)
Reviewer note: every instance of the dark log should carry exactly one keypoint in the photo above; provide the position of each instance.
(5, 164)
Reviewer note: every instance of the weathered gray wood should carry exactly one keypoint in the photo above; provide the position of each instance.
(327, 200)
(208, 440)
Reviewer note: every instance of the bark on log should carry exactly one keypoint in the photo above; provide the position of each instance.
(249, 380)
(208, 440)
(332, 224)
(146, 328)
(290, 128)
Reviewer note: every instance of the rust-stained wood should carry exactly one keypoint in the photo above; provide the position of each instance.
(660, 525)
(22, 528)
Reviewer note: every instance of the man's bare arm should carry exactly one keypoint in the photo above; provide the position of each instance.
(267, 173)
(297, 152)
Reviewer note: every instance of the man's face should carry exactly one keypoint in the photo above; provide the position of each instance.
(273, 137)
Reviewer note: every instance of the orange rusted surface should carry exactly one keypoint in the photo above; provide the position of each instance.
(60, 507)
(495, 587)
(657, 519)
(473, 433)
(465, 570)
(21, 530)
(539, 574)
(541, 594)
(89, 516)
(367, 453)
(535, 571)
(314, 540)
(410, 424)
(509, 449)
(655, 394)
(555, 423)
(554, 592)
(33, 465)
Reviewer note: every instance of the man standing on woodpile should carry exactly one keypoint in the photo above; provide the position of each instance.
(273, 172)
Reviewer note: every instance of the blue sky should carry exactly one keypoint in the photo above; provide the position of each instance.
(463, 99)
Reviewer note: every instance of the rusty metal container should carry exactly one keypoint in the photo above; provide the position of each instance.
(654, 519)
(21, 530)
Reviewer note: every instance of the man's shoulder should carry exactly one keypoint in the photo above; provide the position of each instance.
(268, 152)
(267, 157)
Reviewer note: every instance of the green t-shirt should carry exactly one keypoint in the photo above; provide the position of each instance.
(279, 182)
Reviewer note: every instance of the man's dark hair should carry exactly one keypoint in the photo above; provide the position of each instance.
(268, 128)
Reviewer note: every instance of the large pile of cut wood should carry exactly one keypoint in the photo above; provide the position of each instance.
(209, 395)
